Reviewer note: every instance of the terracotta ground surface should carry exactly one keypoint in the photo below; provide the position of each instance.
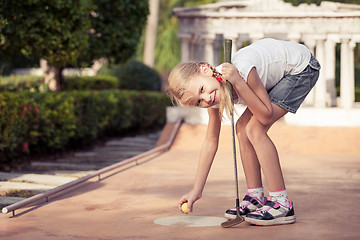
(321, 167)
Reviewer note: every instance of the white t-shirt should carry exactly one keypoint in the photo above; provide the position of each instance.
(273, 60)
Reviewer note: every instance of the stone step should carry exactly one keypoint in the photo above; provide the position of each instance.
(154, 137)
(80, 166)
(86, 154)
(6, 201)
(81, 163)
(133, 144)
(33, 187)
(62, 166)
(44, 179)
(45, 175)
(124, 147)
(103, 153)
(139, 139)
(67, 173)
(121, 153)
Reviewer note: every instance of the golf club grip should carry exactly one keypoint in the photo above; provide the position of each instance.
(227, 58)
(227, 50)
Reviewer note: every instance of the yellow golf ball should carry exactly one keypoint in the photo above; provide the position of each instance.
(184, 208)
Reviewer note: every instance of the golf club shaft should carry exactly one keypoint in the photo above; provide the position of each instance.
(227, 58)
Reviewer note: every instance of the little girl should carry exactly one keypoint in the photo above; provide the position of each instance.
(271, 77)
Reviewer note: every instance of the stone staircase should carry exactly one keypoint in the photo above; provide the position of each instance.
(43, 175)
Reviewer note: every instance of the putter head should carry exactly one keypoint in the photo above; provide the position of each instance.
(233, 222)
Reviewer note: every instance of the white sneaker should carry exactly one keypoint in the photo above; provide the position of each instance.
(272, 213)
(249, 204)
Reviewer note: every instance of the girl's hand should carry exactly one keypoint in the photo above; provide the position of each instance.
(230, 73)
(191, 197)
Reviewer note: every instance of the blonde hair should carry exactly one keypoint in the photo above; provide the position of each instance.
(181, 75)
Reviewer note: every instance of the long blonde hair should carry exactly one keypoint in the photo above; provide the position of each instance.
(180, 76)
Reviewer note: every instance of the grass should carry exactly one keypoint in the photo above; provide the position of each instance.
(19, 193)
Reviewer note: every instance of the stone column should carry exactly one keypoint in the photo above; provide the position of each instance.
(234, 46)
(209, 56)
(294, 36)
(310, 43)
(241, 39)
(197, 48)
(345, 80)
(320, 88)
(352, 46)
(217, 46)
(256, 36)
(185, 47)
(310, 99)
(329, 70)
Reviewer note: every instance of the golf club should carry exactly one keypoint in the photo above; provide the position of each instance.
(238, 219)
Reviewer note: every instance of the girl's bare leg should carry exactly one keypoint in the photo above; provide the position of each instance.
(249, 159)
(265, 151)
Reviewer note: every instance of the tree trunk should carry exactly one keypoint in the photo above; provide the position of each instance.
(150, 36)
(54, 78)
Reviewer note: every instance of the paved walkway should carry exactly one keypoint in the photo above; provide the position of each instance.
(321, 168)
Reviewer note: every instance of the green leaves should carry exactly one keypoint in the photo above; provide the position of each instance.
(117, 27)
(41, 123)
(54, 30)
(95, 83)
(72, 31)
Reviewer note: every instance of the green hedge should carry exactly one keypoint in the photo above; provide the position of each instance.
(133, 75)
(36, 123)
(136, 75)
(22, 82)
(36, 83)
(86, 83)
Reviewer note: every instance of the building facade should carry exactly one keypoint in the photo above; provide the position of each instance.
(202, 30)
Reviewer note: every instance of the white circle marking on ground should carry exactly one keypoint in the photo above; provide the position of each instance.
(190, 221)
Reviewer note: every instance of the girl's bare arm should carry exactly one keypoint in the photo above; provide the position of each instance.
(253, 92)
(208, 149)
(207, 154)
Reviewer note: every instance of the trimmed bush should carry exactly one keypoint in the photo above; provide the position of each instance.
(134, 75)
(36, 83)
(22, 82)
(35, 123)
(85, 83)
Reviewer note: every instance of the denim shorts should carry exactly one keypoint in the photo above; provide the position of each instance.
(291, 90)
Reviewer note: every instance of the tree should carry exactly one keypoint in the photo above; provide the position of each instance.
(151, 29)
(72, 32)
(54, 30)
(116, 29)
